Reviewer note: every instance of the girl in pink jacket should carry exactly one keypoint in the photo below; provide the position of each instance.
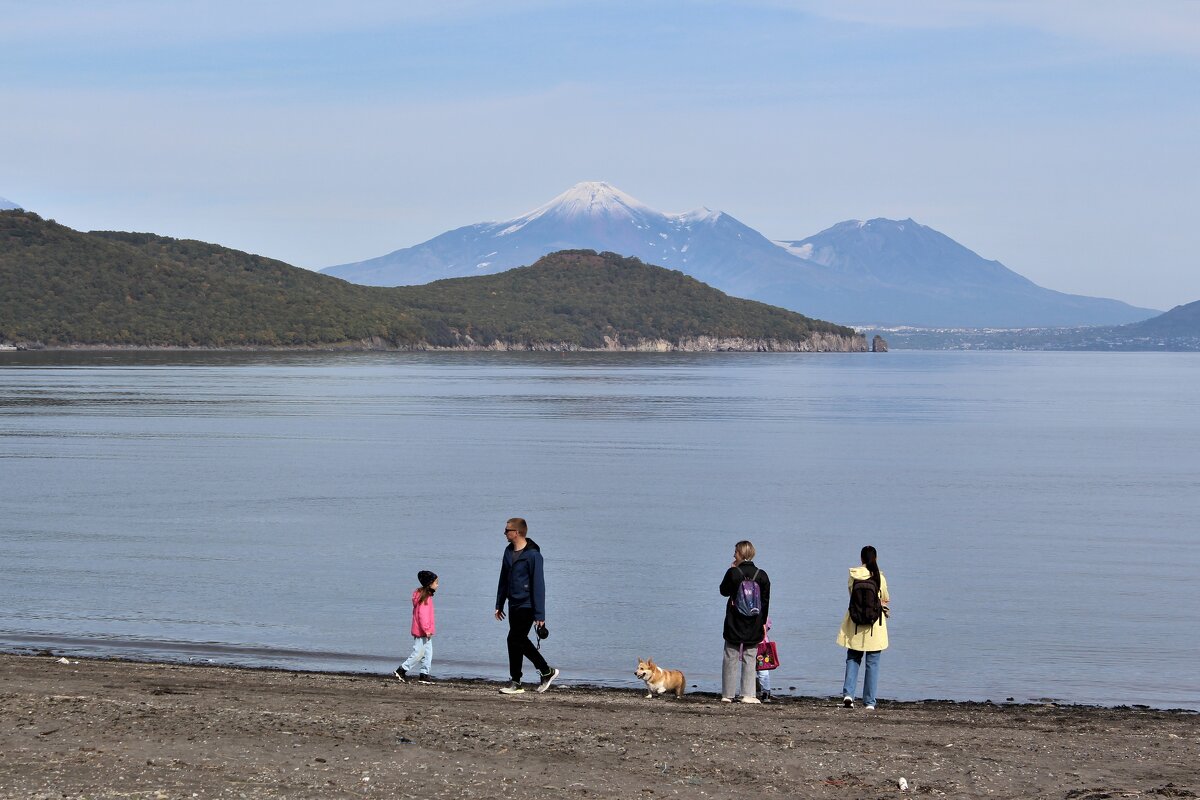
(422, 629)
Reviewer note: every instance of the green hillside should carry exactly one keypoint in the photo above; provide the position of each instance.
(581, 296)
(61, 287)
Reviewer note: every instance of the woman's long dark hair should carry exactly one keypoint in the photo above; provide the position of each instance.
(868, 556)
(423, 594)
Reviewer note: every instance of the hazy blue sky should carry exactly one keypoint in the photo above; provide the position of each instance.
(1061, 137)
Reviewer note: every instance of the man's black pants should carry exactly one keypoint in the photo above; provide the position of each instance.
(520, 620)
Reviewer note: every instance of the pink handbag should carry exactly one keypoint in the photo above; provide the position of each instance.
(768, 654)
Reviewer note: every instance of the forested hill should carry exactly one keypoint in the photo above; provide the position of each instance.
(64, 287)
(60, 287)
(574, 293)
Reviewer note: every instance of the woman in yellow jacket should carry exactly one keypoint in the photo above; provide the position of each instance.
(864, 639)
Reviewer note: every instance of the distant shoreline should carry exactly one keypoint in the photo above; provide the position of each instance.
(820, 343)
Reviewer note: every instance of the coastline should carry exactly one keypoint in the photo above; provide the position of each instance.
(106, 729)
(816, 343)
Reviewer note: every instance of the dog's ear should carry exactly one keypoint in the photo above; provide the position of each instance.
(650, 662)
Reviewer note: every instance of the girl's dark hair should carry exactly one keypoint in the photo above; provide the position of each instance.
(423, 594)
(868, 556)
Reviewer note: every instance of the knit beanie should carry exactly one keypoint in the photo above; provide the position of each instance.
(425, 577)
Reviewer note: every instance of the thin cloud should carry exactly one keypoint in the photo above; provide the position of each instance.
(1159, 26)
(230, 20)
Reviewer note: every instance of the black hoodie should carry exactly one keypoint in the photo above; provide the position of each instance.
(741, 629)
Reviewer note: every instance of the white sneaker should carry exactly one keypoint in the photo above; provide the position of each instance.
(726, 699)
(751, 700)
(547, 680)
(870, 708)
(847, 702)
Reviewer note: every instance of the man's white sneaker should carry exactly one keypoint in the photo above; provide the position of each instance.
(726, 699)
(870, 708)
(848, 702)
(751, 700)
(547, 680)
(512, 688)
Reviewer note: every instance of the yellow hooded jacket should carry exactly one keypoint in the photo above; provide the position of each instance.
(864, 638)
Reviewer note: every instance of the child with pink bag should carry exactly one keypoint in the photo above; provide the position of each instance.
(768, 659)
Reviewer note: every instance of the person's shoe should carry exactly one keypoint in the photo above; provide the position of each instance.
(848, 702)
(767, 698)
(547, 679)
(750, 700)
(726, 699)
(426, 678)
(512, 688)
(870, 708)
(399, 675)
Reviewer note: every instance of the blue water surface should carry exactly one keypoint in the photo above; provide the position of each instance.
(1035, 513)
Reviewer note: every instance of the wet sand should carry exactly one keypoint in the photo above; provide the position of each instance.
(109, 729)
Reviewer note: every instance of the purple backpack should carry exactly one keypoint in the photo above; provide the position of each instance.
(748, 599)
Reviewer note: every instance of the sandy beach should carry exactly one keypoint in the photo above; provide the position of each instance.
(109, 729)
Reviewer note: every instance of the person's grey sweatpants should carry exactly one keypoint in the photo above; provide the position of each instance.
(738, 656)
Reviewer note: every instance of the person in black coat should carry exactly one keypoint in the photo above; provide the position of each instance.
(742, 632)
(523, 586)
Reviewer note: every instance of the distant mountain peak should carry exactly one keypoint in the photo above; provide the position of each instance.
(8, 205)
(599, 202)
(877, 224)
(591, 198)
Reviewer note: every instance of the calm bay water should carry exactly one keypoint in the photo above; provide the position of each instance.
(1035, 513)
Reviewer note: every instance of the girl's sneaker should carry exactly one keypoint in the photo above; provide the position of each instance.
(399, 675)
(512, 688)
(848, 702)
(426, 678)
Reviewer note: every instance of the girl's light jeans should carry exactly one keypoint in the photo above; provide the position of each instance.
(422, 652)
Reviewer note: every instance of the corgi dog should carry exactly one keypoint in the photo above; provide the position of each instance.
(659, 680)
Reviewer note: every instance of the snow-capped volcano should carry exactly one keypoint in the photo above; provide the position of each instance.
(879, 272)
(8, 205)
(594, 215)
(590, 199)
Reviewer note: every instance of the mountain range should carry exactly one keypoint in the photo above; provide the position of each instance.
(7, 205)
(868, 273)
(64, 288)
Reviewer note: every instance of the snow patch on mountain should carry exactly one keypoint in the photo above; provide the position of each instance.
(800, 251)
(599, 201)
(8, 205)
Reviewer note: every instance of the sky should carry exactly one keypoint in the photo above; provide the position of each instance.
(1060, 138)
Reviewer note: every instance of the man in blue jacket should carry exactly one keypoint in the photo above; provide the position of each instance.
(523, 585)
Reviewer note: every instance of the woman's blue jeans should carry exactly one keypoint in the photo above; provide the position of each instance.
(870, 679)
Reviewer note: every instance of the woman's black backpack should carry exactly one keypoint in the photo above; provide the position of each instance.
(865, 607)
